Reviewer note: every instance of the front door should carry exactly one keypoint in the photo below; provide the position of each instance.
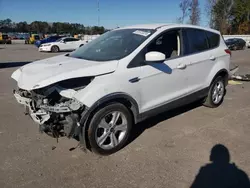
(164, 82)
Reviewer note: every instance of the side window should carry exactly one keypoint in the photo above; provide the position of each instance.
(213, 39)
(73, 39)
(168, 43)
(69, 39)
(196, 41)
(66, 39)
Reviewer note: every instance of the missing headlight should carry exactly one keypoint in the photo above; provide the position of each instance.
(75, 83)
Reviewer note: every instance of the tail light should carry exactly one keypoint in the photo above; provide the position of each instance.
(228, 52)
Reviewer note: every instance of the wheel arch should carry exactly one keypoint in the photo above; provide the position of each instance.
(88, 113)
(119, 97)
(53, 46)
(224, 73)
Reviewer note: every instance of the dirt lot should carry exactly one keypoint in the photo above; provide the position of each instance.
(166, 151)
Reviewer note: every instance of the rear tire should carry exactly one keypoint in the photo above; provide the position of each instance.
(55, 49)
(216, 93)
(109, 129)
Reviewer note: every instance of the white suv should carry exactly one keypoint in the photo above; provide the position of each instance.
(99, 91)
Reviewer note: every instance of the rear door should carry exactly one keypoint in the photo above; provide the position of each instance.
(67, 44)
(72, 43)
(199, 56)
(75, 43)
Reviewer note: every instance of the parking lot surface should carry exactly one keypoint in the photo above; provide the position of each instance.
(165, 151)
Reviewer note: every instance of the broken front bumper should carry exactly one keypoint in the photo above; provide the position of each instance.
(39, 116)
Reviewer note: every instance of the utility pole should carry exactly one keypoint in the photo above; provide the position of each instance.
(98, 13)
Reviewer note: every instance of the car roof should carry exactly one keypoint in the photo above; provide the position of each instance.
(166, 26)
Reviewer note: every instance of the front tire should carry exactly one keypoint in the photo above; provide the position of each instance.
(216, 93)
(55, 49)
(109, 129)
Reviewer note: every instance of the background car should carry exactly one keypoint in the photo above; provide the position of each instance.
(47, 40)
(248, 43)
(236, 44)
(4, 39)
(62, 44)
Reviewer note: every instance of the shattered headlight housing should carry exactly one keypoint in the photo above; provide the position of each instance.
(76, 83)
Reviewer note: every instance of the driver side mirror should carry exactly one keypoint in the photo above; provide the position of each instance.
(156, 57)
(62, 41)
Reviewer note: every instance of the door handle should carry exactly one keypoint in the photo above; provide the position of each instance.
(181, 66)
(212, 58)
(133, 80)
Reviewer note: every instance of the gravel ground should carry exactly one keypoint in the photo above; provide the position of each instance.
(167, 150)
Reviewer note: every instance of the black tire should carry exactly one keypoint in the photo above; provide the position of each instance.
(55, 49)
(209, 102)
(243, 47)
(93, 128)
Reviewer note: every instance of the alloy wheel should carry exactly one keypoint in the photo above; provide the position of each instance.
(111, 130)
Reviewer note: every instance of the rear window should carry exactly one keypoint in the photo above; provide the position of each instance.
(196, 41)
(213, 39)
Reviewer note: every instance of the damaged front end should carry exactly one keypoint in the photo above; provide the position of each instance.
(53, 108)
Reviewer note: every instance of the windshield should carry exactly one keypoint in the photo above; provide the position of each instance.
(113, 45)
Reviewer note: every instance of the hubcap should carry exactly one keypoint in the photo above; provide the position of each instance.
(218, 92)
(55, 49)
(111, 130)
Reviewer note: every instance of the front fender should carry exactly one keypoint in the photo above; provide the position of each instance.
(105, 85)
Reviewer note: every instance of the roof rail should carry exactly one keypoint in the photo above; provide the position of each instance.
(161, 26)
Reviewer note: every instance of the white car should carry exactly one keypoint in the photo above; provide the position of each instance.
(248, 43)
(62, 44)
(126, 75)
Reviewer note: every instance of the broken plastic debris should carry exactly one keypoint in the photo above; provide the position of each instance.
(245, 77)
(53, 147)
(232, 82)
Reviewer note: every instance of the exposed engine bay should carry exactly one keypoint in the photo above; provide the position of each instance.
(54, 107)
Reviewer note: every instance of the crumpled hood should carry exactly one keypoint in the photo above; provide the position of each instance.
(52, 70)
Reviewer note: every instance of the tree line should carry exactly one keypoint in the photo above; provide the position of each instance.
(44, 27)
(227, 16)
